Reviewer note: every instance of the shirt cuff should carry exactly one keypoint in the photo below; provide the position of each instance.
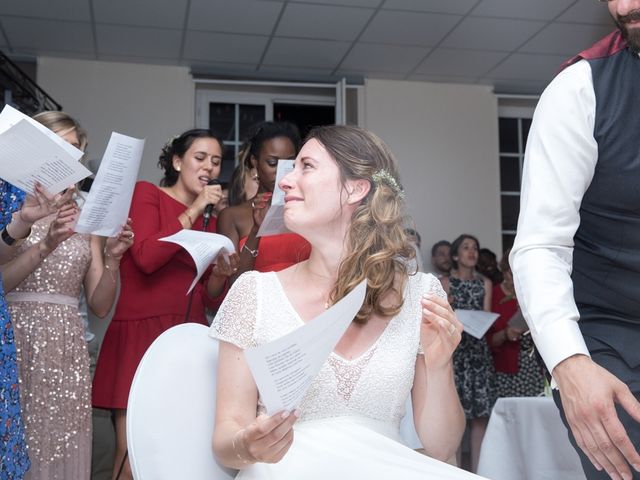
(559, 341)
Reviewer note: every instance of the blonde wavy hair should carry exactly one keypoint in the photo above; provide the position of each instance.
(377, 247)
(62, 123)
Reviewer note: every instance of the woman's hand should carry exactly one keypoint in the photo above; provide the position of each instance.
(512, 334)
(62, 227)
(116, 246)
(440, 332)
(224, 268)
(260, 204)
(42, 203)
(210, 194)
(267, 439)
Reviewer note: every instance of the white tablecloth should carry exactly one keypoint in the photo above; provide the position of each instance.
(526, 440)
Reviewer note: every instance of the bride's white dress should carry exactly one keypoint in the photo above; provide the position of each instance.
(350, 417)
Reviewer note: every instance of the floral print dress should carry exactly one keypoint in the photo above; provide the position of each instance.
(14, 461)
(472, 360)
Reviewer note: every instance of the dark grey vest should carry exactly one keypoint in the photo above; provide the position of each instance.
(606, 259)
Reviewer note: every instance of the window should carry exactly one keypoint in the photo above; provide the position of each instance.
(513, 127)
(231, 108)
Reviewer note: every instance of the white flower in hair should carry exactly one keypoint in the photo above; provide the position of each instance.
(382, 176)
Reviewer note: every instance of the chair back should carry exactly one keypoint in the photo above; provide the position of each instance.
(171, 408)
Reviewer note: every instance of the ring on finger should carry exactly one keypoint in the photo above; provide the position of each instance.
(132, 235)
(451, 329)
(253, 204)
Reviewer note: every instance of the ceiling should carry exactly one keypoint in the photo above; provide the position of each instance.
(515, 45)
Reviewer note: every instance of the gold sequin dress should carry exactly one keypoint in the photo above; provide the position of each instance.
(53, 362)
(349, 426)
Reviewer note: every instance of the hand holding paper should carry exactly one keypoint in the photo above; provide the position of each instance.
(30, 153)
(273, 223)
(107, 205)
(203, 247)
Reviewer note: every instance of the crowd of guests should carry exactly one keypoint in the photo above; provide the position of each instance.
(501, 364)
(47, 390)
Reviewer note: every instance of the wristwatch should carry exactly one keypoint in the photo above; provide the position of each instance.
(9, 240)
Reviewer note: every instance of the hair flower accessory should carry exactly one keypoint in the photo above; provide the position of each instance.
(170, 141)
(384, 177)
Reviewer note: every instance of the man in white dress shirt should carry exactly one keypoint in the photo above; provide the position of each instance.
(577, 252)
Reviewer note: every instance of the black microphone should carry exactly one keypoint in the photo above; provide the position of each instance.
(208, 210)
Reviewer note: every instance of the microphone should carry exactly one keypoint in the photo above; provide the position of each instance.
(208, 210)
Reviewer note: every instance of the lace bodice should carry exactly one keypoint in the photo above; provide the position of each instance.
(374, 385)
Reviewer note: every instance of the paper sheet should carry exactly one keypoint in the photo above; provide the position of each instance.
(107, 206)
(27, 155)
(476, 322)
(285, 368)
(273, 223)
(10, 116)
(203, 247)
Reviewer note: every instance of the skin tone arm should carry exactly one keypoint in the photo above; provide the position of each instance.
(229, 228)
(488, 292)
(101, 279)
(14, 272)
(437, 411)
(240, 438)
(589, 394)
(221, 271)
(35, 207)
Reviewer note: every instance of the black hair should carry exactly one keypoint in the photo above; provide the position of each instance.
(411, 232)
(437, 245)
(264, 131)
(455, 246)
(179, 146)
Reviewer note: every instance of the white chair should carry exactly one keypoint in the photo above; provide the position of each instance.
(170, 416)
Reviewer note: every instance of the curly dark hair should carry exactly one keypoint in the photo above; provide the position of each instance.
(179, 146)
(264, 131)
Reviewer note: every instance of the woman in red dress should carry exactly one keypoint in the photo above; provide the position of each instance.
(155, 275)
(269, 142)
(518, 373)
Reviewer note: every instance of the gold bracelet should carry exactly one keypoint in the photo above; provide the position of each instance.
(186, 212)
(112, 272)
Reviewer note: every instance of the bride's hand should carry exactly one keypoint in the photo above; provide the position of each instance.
(440, 332)
(267, 439)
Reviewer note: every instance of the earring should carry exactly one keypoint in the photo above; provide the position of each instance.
(177, 169)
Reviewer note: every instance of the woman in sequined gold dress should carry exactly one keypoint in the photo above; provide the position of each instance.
(15, 227)
(49, 270)
(343, 197)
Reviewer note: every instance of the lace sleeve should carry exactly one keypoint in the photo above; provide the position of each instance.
(236, 319)
(431, 285)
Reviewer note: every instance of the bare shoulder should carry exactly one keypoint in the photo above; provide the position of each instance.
(236, 216)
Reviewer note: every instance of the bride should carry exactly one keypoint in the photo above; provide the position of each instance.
(344, 198)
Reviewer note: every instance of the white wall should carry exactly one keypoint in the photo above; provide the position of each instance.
(445, 138)
(143, 101)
